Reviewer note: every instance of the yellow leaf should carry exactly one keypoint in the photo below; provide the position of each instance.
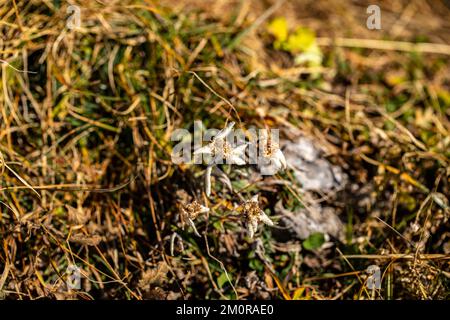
(298, 293)
(280, 286)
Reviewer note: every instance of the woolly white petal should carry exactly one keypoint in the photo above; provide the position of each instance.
(280, 156)
(224, 132)
(264, 218)
(254, 198)
(208, 181)
(236, 160)
(276, 164)
(193, 227)
(255, 225)
(203, 209)
(251, 232)
(172, 243)
(206, 149)
(263, 135)
(240, 150)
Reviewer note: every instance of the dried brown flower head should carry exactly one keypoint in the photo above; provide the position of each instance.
(253, 215)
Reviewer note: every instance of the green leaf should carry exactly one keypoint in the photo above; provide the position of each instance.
(256, 265)
(239, 184)
(218, 225)
(222, 279)
(314, 241)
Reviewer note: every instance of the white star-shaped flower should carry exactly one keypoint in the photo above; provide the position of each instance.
(190, 211)
(254, 215)
(220, 150)
(272, 157)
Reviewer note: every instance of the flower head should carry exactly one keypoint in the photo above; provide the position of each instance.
(220, 149)
(254, 215)
(190, 211)
(272, 157)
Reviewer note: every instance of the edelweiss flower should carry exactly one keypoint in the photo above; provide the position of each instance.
(189, 212)
(253, 215)
(221, 150)
(272, 157)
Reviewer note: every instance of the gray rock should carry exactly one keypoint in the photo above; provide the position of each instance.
(304, 222)
(314, 172)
